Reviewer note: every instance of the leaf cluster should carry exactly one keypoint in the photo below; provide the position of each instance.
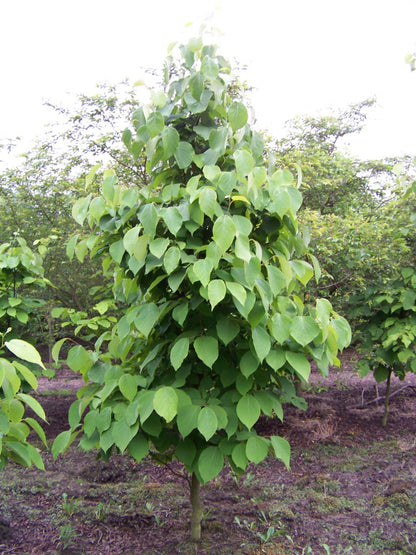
(208, 261)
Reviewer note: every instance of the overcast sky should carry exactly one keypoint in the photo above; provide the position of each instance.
(302, 56)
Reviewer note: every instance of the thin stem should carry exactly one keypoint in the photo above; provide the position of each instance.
(196, 515)
(387, 400)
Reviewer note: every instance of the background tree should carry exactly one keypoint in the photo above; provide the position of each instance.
(208, 261)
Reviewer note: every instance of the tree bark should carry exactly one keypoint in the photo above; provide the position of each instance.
(196, 515)
(386, 401)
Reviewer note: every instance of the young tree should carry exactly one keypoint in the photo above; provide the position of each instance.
(208, 261)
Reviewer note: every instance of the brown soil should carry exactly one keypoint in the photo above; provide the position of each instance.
(351, 487)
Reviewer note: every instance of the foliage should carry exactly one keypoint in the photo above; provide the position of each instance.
(21, 273)
(37, 193)
(388, 328)
(14, 425)
(208, 261)
(333, 181)
(356, 253)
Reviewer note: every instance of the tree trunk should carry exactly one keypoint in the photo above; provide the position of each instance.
(387, 400)
(196, 515)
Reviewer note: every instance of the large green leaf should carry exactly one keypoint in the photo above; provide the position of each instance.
(184, 154)
(165, 403)
(208, 201)
(24, 350)
(128, 386)
(202, 270)
(138, 447)
(216, 292)
(224, 232)
(171, 259)
(207, 349)
(280, 327)
(33, 404)
(227, 329)
(148, 316)
(237, 115)
(256, 449)
(261, 342)
(173, 219)
(187, 419)
(179, 352)
(207, 423)
(158, 246)
(122, 433)
(299, 363)
(282, 449)
(237, 291)
(248, 410)
(210, 463)
(244, 163)
(170, 141)
(304, 329)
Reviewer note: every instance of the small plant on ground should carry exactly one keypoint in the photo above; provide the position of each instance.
(208, 261)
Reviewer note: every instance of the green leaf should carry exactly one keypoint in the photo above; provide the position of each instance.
(117, 251)
(216, 292)
(206, 349)
(244, 163)
(138, 447)
(208, 201)
(210, 463)
(202, 270)
(61, 443)
(227, 330)
(242, 248)
(179, 352)
(128, 386)
(155, 123)
(277, 280)
(248, 410)
(224, 232)
(276, 358)
(171, 259)
(147, 318)
(187, 419)
(180, 312)
(304, 329)
(130, 239)
(122, 433)
(237, 291)
(303, 270)
(280, 326)
(173, 219)
(56, 349)
(23, 370)
(24, 350)
(170, 141)
(80, 209)
(33, 404)
(237, 115)
(299, 363)
(239, 456)
(184, 155)
(282, 449)
(149, 217)
(158, 246)
(209, 68)
(207, 422)
(257, 449)
(248, 364)
(165, 403)
(343, 331)
(227, 182)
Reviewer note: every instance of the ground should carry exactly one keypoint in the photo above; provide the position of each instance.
(351, 487)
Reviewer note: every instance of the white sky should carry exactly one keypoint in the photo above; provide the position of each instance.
(302, 56)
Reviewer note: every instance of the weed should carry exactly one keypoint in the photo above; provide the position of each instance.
(66, 535)
(69, 504)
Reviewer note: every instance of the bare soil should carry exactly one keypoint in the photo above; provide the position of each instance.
(351, 487)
